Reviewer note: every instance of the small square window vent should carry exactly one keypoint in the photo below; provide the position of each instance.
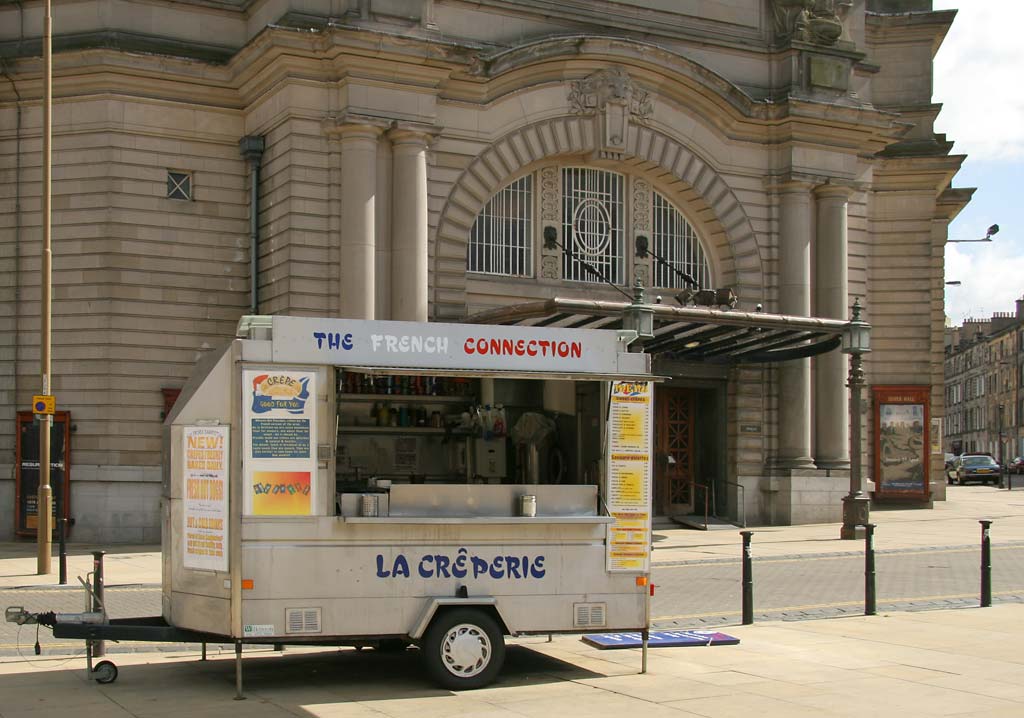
(302, 620)
(589, 615)
(179, 185)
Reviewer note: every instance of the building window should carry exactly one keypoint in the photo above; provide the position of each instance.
(179, 185)
(596, 207)
(500, 241)
(674, 240)
(592, 225)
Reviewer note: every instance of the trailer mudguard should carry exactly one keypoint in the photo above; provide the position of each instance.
(435, 604)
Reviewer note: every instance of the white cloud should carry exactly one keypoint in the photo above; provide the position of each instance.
(977, 76)
(992, 279)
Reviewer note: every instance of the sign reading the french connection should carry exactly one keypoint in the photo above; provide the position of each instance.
(420, 345)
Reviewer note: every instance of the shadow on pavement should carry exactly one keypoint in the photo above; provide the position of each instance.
(294, 683)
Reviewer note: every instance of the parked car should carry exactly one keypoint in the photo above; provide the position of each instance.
(1016, 466)
(974, 467)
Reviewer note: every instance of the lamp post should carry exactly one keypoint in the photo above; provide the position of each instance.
(994, 229)
(44, 505)
(856, 506)
(1002, 408)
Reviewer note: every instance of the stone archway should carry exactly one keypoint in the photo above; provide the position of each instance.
(736, 249)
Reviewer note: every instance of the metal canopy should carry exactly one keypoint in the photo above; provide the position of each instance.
(687, 333)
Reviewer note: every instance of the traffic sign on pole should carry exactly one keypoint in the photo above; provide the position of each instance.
(44, 404)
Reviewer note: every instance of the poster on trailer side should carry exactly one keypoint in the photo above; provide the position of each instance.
(205, 497)
(279, 412)
(628, 480)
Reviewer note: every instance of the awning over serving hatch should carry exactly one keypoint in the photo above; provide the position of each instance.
(687, 333)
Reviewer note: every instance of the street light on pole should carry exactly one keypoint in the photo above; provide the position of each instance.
(994, 229)
(856, 506)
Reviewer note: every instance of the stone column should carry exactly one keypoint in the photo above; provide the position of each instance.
(409, 225)
(831, 415)
(383, 218)
(358, 226)
(795, 298)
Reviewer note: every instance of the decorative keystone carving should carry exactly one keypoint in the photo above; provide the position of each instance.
(610, 86)
(612, 97)
(813, 21)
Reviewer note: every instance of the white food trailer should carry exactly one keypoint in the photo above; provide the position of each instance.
(345, 482)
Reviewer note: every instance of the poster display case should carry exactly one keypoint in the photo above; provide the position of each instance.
(26, 474)
(901, 441)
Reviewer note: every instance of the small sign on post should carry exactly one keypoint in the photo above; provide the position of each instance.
(44, 404)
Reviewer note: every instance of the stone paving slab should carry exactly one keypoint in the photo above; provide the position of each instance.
(954, 663)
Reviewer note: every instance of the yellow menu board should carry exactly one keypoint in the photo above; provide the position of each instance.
(628, 487)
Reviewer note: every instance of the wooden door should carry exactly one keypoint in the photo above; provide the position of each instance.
(674, 451)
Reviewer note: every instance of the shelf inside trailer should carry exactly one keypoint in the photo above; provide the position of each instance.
(406, 398)
(485, 520)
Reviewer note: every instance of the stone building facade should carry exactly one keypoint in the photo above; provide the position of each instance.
(984, 369)
(409, 155)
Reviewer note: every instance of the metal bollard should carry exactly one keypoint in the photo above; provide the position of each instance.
(748, 580)
(986, 564)
(869, 570)
(98, 647)
(62, 550)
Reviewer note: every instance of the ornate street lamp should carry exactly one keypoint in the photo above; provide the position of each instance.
(856, 506)
(639, 317)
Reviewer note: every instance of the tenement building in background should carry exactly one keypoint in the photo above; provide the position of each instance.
(432, 160)
(984, 372)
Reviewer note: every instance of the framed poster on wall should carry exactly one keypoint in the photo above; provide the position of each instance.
(26, 476)
(902, 446)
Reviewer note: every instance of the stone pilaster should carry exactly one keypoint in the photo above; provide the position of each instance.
(358, 218)
(831, 416)
(795, 222)
(409, 225)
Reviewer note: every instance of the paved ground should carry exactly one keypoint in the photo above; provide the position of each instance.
(952, 662)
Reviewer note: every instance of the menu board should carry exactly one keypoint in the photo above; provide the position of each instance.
(206, 497)
(279, 449)
(628, 479)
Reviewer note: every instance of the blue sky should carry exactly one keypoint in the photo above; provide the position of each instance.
(977, 79)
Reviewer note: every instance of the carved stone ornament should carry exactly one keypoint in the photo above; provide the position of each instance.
(641, 206)
(643, 274)
(550, 195)
(812, 21)
(550, 267)
(612, 98)
(613, 85)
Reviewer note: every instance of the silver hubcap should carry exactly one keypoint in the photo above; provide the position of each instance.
(465, 650)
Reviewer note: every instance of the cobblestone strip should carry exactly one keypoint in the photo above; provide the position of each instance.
(805, 614)
(831, 554)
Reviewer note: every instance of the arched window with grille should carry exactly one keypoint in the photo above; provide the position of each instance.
(592, 225)
(673, 239)
(501, 239)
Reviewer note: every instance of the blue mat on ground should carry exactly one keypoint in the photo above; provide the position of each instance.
(660, 639)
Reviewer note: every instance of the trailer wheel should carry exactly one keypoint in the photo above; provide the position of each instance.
(104, 672)
(464, 649)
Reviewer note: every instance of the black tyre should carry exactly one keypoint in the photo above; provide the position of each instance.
(463, 649)
(104, 672)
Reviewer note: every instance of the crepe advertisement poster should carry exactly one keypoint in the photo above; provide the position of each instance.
(205, 497)
(628, 482)
(279, 408)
